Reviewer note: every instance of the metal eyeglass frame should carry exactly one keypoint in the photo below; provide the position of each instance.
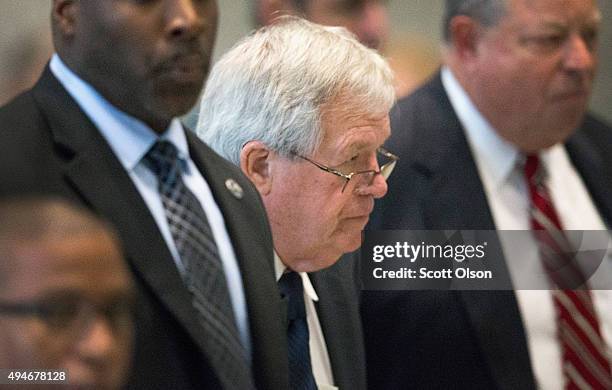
(385, 170)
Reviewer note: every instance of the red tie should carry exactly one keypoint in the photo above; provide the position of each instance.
(585, 363)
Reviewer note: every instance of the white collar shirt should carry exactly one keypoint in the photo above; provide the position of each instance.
(321, 366)
(498, 163)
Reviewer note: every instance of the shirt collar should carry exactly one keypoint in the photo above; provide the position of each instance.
(280, 268)
(129, 138)
(498, 158)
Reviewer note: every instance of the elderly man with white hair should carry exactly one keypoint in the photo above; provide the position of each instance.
(303, 110)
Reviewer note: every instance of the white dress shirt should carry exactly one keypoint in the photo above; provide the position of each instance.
(321, 367)
(130, 139)
(498, 163)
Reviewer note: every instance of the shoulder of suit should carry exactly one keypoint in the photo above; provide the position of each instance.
(220, 163)
(21, 119)
(214, 157)
(431, 88)
(416, 119)
(19, 109)
(594, 131)
(593, 121)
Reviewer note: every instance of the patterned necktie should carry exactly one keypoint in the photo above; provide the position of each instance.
(584, 359)
(300, 368)
(204, 275)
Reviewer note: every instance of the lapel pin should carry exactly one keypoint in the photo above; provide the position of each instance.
(234, 188)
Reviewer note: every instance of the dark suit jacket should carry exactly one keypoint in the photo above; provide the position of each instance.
(456, 339)
(49, 146)
(338, 312)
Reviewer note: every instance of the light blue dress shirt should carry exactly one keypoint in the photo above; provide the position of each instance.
(130, 139)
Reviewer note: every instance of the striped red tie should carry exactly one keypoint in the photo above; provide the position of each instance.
(585, 363)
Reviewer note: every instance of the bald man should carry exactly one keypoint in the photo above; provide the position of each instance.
(66, 296)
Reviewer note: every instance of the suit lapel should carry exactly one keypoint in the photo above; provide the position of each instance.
(112, 194)
(594, 166)
(456, 196)
(339, 319)
(457, 200)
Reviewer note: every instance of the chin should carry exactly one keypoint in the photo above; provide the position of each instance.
(352, 242)
(175, 102)
(177, 106)
(331, 255)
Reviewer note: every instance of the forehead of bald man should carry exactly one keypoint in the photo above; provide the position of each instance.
(34, 218)
(29, 224)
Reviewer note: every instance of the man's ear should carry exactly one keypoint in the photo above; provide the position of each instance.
(255, 164)
(465, 33)
(63, 15)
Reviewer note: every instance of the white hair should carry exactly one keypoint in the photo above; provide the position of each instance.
(272, 85)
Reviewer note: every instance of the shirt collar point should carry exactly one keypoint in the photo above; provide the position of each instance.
(280, 268)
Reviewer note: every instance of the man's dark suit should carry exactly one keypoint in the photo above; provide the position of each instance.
(49, 146)
(338, 312)
(457, 339)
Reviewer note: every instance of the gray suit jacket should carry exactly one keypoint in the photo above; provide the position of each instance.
(48, 146)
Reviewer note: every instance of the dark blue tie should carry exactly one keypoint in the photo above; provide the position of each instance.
(300, 368)
(204, 275)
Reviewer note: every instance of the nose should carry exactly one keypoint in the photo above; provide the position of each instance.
(579, 55)
(374, 25)
(377, 188)
(97, 343)
(184, 18)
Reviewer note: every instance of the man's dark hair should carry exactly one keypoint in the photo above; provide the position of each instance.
(486, 12)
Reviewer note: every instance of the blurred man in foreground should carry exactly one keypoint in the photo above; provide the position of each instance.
(101, 126)
(499, 139)
(66, 297)
(303, 110)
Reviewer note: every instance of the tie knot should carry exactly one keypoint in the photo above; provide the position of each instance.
(290, 286)
(163, 159)
(534, 172)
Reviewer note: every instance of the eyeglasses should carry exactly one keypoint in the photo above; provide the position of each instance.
(386, 162)
(71, 316)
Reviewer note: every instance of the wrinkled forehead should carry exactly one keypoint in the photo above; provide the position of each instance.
(350, 127)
